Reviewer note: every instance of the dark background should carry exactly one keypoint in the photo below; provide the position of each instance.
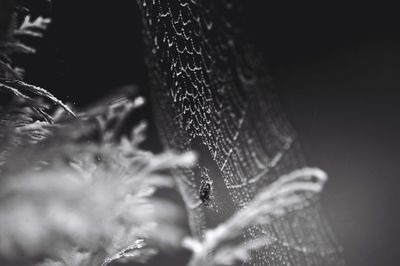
(337, 70)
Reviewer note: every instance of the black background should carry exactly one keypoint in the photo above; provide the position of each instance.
(336, 67)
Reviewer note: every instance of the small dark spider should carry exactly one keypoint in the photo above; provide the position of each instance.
(205, 192)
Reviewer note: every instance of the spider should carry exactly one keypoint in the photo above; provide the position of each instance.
(205, 191)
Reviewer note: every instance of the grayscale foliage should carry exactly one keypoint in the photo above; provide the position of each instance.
(75, 191)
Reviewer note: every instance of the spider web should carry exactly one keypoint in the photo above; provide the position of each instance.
(211, 94)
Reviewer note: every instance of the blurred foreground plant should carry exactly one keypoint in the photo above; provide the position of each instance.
(80, 200)
(73, 189)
